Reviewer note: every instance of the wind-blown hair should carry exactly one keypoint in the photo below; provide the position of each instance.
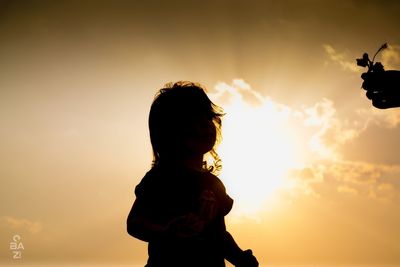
(175, 109)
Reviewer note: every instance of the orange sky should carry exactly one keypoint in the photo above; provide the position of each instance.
(76, 82)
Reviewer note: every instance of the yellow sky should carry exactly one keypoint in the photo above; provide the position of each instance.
(314, 170)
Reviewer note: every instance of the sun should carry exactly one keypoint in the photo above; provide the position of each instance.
(257, 152)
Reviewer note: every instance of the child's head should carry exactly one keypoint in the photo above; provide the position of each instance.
(183, 123)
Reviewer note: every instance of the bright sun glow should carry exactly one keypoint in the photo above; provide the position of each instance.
(258, 147)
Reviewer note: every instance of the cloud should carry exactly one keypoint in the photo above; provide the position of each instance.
(329, 131)
(369, 180)
(389, 118)
(385, 192)
(347, 190)
(32, 227)
(391, 57)
(341, 59)
(239, 92)
(321, 116)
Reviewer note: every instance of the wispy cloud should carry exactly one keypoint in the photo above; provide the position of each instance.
(11, 222)
(389, 118)
(377, 181)
(391, 57)
(341, 58)
(345, 189)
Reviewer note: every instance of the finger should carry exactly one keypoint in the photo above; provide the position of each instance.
(373, 80)
(380, 95)
(369, 85)
(385, 104)
(392, 79)
(369, 94)
(364, 85)
(378, 98)
(381, 103)
(364, 76)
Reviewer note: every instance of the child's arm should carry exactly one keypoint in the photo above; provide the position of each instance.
(235, 255)
(140, 225)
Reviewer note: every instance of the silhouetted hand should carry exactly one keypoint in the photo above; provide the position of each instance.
(383, 88)
(247, 259)
(185, 226)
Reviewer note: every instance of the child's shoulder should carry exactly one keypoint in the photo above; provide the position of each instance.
(149, 182)
(158, 178)
(214, 180)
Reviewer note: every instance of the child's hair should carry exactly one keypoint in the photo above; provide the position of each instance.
(174, 110)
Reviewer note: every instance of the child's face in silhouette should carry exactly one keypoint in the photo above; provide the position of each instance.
(200, 136)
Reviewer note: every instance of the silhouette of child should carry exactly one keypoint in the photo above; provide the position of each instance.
(180, 205)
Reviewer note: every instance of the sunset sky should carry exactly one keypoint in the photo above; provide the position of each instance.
(313, 168)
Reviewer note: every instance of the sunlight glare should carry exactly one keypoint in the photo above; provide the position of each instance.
(257, 150)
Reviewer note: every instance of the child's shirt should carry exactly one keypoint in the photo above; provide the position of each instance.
(166, 193)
